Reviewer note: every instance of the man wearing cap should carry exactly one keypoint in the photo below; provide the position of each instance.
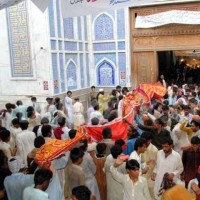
(102, 99)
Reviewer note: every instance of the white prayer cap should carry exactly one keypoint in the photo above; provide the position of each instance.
(15, 164)
(101, 90)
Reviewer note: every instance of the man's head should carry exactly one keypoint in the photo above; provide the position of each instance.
(81, 193)
(93, 88)
(147, 136)
(23, 124)
(33, 99)
(72, 133)
(115, 150)
(61, 121)
(76, 156)
(9, 107)
(167, 144)
(15, 164)
(140, 145)
(195, 142)
(39, 141)
(186, 110)
(132, 132)
(101, 148)
(15, 122)
(107, 133)
(96, 106)
(94, 121)
(44, 121)
(19, 103)
(46, 131)
(133, 168)
(165, 109)
(195, 125)
(5, 135)
(42, 178)
(125, 90)
(69, 93)
(118, 88)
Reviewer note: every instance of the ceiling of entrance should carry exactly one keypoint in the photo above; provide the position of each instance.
(188, 53)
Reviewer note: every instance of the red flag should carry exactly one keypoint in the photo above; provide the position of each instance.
(118, 126)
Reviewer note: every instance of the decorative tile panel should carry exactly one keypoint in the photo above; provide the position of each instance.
(120, 24)
(62, 77)
(82, 71)
(85, 28)
(109, 56)
(71, 76)
(104, 46)
(58, 18)
(105, 74)
(51, 19)
(53, 44)
(80, 46)
(121, 46)
(71, 46)
(72, 56)
(55, 72)
(68, 24)
(60, 44)
(79, 29)
(103, 28)
(20, 50)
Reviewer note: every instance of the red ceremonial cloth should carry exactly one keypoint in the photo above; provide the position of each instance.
(55, 147)
(118, 126)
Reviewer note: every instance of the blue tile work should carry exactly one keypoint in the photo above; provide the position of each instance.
(120, 24)
(86, 47)
(68, 25)
(122, 68)
(82, 71)
(105, 74)
(19, 41)
(60, 44)
(58, 18)
(121, 46)
(104, 46)
(71, 56)
(85, 28)
(51, 19)
(104, 28)
(88, 71)
(109, 56)
(71, 76)
(71, 46)
(62, 77)
(53, 44)
(79, 29)
(80, 46)
(55, 73)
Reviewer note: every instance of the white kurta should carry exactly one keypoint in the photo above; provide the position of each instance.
(69, 108)
(25, 144)
(78, 110)
(131, 191)
(89, 169)
(96, 114)
(171, 164)
(31, 193)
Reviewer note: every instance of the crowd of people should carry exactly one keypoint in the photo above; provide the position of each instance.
(160, 159)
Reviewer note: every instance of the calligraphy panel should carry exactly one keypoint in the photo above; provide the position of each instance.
(20, 51)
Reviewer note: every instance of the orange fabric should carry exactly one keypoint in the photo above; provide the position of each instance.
(55, 147)
(118, 126)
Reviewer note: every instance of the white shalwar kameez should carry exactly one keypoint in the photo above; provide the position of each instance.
(78, 110)
(170, 164)
(69, 108)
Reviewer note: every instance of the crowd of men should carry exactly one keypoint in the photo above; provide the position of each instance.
(160, 159)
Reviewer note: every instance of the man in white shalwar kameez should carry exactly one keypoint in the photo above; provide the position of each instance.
(168, 161)
(69, 107)
(78, 110)
(25, 141)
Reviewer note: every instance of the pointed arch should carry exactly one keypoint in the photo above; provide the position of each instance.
(103, 27)
(71, 75)
(105, 73)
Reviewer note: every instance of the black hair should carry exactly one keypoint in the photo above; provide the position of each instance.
(120, 97)
(101, 148)
(115, 150)
(92, 87)
(132, 165)
(159, 121)
(112, 116)
(124, 89)
(196, 123)
(96, 106)
(94, 121)
(81, 192)
(23, 124)
(120, 142)
(19, 102)
(149, 122)
(46, 129)
(147, 135)
(42, 175)
(8, 106)
(165, 107)
(30, 111)
(107, 133)
(15, 121)
(57, 100)
(72, 133)
(84, 145)
(33, 99)
(61, 121)
(44, 120)
(39, 141)
(69, 92)
(2, 158)
(75, 154)
(195, 140)
(5, 134)
(167, 140)
(139, 143)
(118, 87)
